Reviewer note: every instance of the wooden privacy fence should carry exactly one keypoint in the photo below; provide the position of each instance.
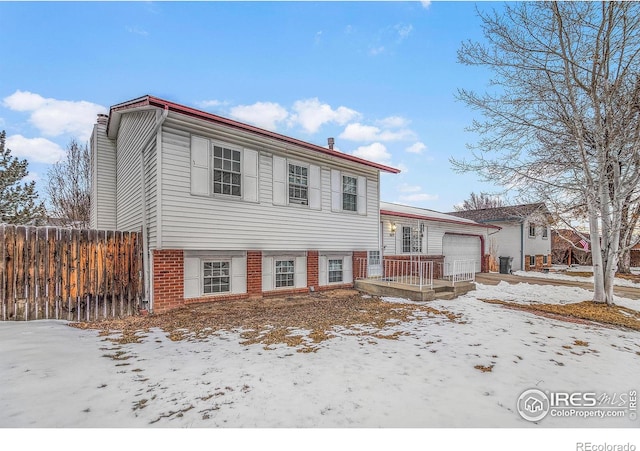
(70, 274)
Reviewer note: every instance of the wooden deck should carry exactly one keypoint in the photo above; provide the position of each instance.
(441, 289)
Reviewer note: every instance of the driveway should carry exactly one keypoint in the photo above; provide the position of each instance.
(496, 278)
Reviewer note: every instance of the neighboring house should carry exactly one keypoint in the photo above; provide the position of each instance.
(524, 234)
(229, 210)
(409, 232)
(569, 248)
(635, 256)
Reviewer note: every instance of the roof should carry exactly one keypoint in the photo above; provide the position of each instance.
(515, 213)
(149, 101)
(406, 211)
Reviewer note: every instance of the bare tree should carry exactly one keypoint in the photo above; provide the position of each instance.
(68, 187)
(480, 202)
(562, 121)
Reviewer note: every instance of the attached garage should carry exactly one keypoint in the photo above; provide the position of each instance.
(461, 247)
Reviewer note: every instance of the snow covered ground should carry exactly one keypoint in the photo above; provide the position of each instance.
(436, 374)
(562, 276)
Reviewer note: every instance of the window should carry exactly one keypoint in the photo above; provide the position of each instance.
(298, 184)
(406, 239)
(411, 240)
(374, 257)
(285, 271)
(349, 193)
(226, 171)
(532, 230)
(335, 271)
(216, 277)
(544, 259)
(545, 232)
(532, 260)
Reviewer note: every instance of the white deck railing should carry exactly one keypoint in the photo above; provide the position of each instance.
(460, 271)
(407, 272)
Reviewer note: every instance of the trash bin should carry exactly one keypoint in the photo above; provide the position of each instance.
(505, 265)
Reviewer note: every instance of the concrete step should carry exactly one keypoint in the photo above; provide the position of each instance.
(445, 295)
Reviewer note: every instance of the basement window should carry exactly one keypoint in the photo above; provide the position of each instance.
(285, 272)
(335, 271)
(216, 277)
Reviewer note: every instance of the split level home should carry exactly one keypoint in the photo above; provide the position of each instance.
(229, 210)
(524, 236)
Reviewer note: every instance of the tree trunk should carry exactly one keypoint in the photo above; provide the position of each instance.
(624, 264)
(596, 256)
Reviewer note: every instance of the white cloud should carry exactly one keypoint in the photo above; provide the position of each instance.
(35, 150)
(418, 197)
(393, 122)
(311, 114)
(375, 152)
(426, 3)
(360, 132)
(138, 31)
(263, 114)
(403, 31)
(417, 147)
(55, 117)
(406, 188)
(212, 103)
(377, 50)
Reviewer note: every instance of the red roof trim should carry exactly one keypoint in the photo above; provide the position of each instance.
(157, 102)
(428, 218)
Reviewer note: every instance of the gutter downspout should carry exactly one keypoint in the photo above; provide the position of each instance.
(146, 257)
(522, 246)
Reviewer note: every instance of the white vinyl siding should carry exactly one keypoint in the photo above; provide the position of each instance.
(103, 180)
(226, 223)
(432, 233)
(134, 128)
(214, 273)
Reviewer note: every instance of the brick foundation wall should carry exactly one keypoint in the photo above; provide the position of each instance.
(254, 273)
(312, 269)
(168, 279)
(539, 263)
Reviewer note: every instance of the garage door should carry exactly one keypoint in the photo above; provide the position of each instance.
(460, 247)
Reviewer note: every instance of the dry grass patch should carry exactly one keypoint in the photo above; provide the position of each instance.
(300, 321)
(614, 315)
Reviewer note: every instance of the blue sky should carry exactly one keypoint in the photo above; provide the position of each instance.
(379, 77)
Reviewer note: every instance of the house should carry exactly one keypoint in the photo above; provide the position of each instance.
(409, 232)
(568, 247)
(635, 256)
(524, 234)
(228, 210)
